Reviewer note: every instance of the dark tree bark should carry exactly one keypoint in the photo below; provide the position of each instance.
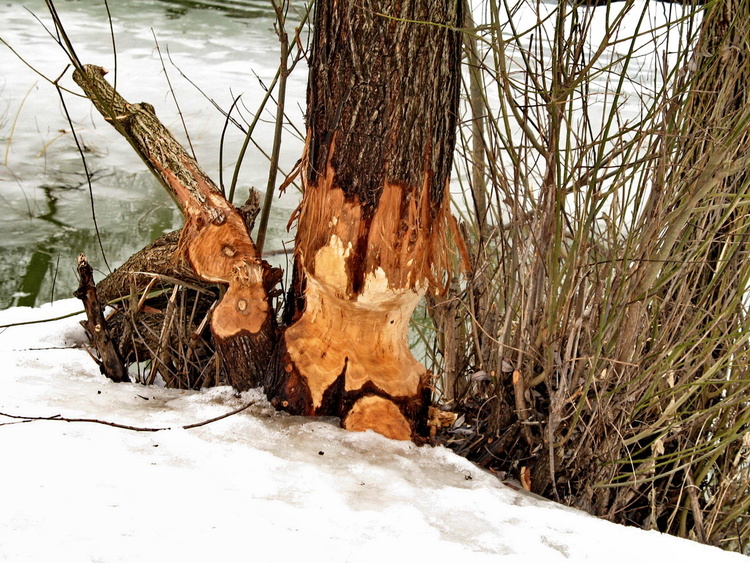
(110, 362)
(382, 102)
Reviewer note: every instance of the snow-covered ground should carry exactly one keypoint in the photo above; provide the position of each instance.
(255, 486)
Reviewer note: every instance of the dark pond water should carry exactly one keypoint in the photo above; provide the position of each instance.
(212, 51)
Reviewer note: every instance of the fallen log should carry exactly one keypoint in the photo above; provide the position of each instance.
(214, 244)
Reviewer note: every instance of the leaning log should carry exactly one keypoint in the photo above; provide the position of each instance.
(215, 243)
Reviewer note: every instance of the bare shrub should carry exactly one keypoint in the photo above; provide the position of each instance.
(598, 349)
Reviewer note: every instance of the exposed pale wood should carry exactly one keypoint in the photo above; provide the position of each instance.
(373, 412)
(403, 237)
(371, 228)
(364, 339)
(215, 242)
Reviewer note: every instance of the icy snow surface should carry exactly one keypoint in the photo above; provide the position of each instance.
(256, 486)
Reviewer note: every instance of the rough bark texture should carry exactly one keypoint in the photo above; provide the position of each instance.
(161, 257)
(214, 243)
(382, 102)
(111, 363)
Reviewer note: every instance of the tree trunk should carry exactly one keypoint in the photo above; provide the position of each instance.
(715, 117)
(382, 110)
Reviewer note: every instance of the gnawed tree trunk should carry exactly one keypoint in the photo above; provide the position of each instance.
(382, 102)
(214, 243)
(371, 239)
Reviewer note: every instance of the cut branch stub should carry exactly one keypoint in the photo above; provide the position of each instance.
(214, 241)
(111, 363)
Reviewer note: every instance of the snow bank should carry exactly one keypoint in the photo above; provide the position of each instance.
(256, 486)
